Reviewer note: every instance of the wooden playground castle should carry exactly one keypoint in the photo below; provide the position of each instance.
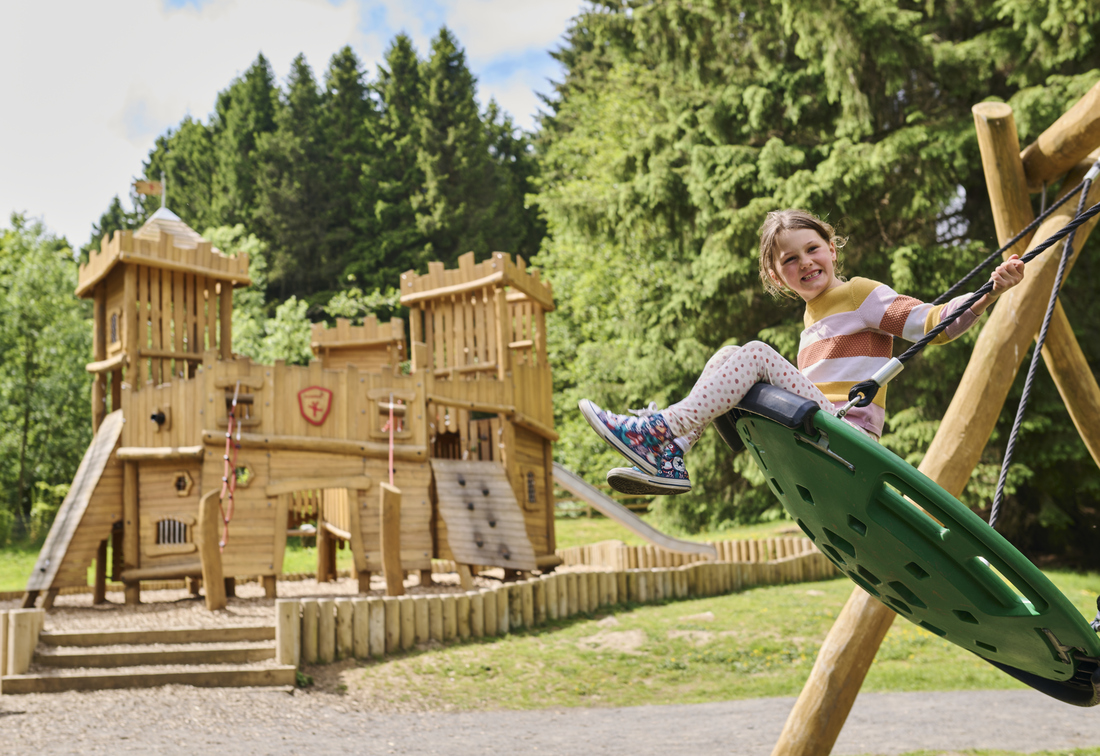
(465, 413)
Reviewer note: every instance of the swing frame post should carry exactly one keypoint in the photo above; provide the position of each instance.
(826, 699)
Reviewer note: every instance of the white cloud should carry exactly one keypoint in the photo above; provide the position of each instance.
(89, 86)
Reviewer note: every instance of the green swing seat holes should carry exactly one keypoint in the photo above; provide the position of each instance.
(914, 547)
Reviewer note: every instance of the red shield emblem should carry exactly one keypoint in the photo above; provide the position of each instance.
(314, 403)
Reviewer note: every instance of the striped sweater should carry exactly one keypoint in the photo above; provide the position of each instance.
(849, 336)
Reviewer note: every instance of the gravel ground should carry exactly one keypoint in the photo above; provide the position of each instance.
(178, 608)
(185, 721)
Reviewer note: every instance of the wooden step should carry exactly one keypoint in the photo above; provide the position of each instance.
(116, 656)
(223, 677)
(146, 637)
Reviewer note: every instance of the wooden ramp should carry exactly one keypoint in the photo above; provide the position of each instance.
(72, 510)
(612, 509)
(484, 522)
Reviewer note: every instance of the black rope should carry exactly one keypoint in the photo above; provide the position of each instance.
(996, 255)
(863, 393)
(1067, 252)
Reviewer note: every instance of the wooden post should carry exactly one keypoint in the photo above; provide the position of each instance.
(99, 592)
(515, 607)
(208, 533)
(377, 633)
(130, 327)
(390, 509)
(99, 352)
(489, 599)
(503, 610)
(23, 627)
(450, 617)
(131, 533)
(310, 635)
(477, 614)
(344, 628)
(550, 587)
(844, 658)
(3, 647)
(360, 623)
(225, 320)
(462, 613)
(288, 632)
(538, 592)
(393, 623)
(326, 550)
(422, 620)
(270, 586)
(435, 618)
(408, 622)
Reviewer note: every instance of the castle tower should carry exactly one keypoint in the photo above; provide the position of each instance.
(162, 296)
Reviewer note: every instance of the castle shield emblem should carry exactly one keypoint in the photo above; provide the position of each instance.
(314, 403)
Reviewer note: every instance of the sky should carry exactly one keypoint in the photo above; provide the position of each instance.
(89, 86)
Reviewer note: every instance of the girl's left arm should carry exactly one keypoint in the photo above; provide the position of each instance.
(1008, 274)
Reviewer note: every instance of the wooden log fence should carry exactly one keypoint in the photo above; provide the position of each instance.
(617, 555)
(313, 631)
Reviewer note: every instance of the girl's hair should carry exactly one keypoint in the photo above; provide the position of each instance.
(776, 223)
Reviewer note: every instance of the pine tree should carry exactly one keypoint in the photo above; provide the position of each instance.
(349, 119)
(393, 178)
(294, 192)
(243, 112)
(452, 212)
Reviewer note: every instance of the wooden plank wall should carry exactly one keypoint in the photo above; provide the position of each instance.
(186, 400)
(104, 510)
(371, 347)
(158, 499)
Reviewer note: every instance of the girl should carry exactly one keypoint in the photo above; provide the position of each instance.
(850, 326)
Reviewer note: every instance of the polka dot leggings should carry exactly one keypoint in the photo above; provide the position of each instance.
(724, 381)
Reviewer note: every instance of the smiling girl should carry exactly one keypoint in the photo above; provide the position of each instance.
(850, 327)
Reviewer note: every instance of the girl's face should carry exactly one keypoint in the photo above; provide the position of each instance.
(805, 263)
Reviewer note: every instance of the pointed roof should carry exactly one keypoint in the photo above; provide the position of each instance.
(165, 220)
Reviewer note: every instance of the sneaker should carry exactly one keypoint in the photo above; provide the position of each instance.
(670, 480)
(640, 439)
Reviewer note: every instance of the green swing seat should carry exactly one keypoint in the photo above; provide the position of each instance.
(913, 546)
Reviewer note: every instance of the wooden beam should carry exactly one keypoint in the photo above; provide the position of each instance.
(225, 321)
(105, 366)
(327, 445)
(131, 554)
(1065, 143)
(208, 535)
(161, 453)
(355, 482)
(390, 515)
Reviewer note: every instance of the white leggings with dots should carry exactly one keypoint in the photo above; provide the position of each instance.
(728, 375)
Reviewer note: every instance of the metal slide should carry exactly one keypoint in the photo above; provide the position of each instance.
(577, 486)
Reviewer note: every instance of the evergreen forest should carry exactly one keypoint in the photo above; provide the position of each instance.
(674, 127)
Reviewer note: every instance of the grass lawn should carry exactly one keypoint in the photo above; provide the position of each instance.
(761, 642)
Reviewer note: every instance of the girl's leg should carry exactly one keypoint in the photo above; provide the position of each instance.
(728, 375)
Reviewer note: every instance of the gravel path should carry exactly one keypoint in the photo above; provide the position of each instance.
(187, 721)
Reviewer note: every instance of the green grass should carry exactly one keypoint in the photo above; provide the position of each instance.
(301, 558)
(16, 563)
(761, 642)
(578, 531)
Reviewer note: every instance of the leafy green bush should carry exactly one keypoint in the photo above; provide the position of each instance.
(46, 501)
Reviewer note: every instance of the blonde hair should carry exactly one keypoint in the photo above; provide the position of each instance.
(776, 223)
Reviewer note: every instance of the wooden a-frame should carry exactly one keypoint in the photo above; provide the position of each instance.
(823, 706)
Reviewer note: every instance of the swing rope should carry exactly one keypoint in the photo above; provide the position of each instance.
(1067, 251)
(229, 477)
(863, 393)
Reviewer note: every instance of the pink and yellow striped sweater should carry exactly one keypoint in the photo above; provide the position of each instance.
(848, 336)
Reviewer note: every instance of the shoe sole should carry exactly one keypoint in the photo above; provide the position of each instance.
(636, 483)
(588, 409)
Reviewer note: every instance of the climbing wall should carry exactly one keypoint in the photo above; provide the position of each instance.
(484, 523)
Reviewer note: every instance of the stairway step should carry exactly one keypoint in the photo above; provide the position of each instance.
(144, 637)
(50, 681)
(134, 656)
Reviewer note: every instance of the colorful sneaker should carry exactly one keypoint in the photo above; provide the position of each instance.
(640, 439)
(670, 480)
